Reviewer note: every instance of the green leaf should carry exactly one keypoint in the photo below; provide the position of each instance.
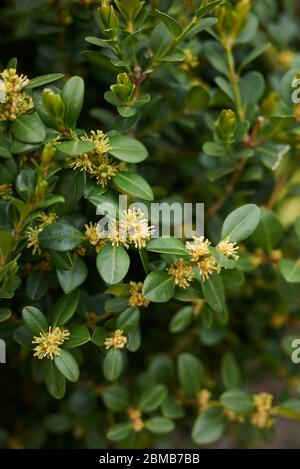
(113, 364)
(158, 287)
(213, 291)
(160, 40)
(70, 186)
(72, 95)
(289, 409)
(216, 57)
(241, 223)
(252, 87)
(238, 401)
(79, 335)
(253, 55)
(201, 25)
(113, 263)
(116, 398)
(5, 314)
(67, 365)
(230, 372)
(44, 80)
(159, 425)
(26, 183)
(172, 409)
(93, 192)
(214, 149)
(152, 398)
(127, 149)
(61, 260)
(182, 319)
(208, 427)
(54, 380)
(6, 243)
(71, 279)
(128, 319)
(37, 284)
(60, 237)
(23, 337)
(172, 25)
(290, 270)
(29, 128)
(167, 246)
(76, 147)
(203, 11)
(268, 232)
(99, 336)
(286, 89)
(34, 320)
(64, 309)
(134, 185)
(119, 431)
(190, 373)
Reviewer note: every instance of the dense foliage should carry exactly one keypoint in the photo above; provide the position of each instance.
(119, 338)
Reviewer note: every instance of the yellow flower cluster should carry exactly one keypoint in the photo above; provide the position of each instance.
(48, 343)
(190, 60)
(32, 233)
(15, 99)
(136, 419)
(97, 163)
(203, 399)
(182, 273)
(261, 418)
(203, 259)
(132, 228)
(136, 298)
(116, 340)
(5, 189)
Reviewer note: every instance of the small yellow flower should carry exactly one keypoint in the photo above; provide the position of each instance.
(190, 60)
(48, 343)
(16, 101)
(135, 226)
(228, 249)
(5, 189)
(105, 171)
(116, 340)
(83, 163)
(261, 418)
(100, 140)
(233, 416)
(136, 419)
(33, 240)
(116, 235)
(207, 267)
(92, 233)
(136, 298)
(46, 219)
(182, 273)
(203, 399)
(198, 247)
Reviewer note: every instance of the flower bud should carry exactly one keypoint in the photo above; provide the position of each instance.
(226, 125)
(109, 19)
(48, 153)
(124, 88)
(53, 103)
